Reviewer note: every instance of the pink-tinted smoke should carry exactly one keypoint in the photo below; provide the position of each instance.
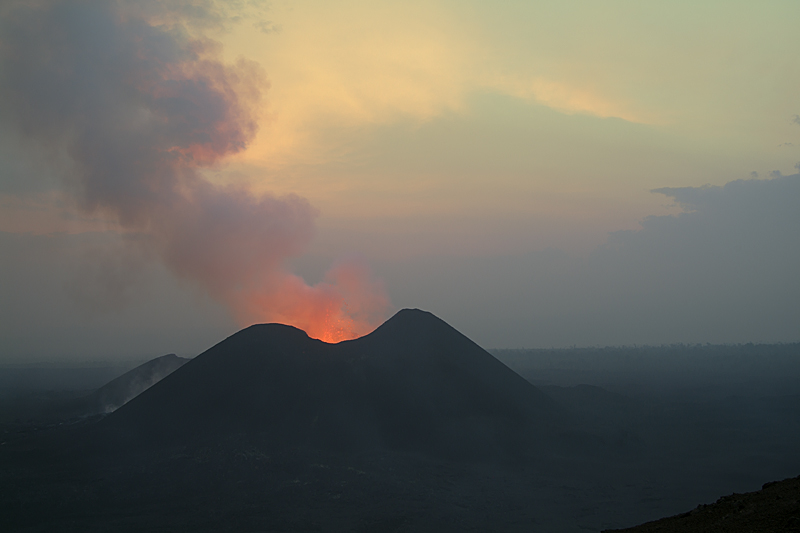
(142, 108)
(347, 304)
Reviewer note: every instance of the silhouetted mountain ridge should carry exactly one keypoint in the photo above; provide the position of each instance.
(414, 383)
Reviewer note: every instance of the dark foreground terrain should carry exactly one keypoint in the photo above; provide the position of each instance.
(776, 507)
(412, 428)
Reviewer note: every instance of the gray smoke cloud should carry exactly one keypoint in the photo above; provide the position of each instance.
(141, 103)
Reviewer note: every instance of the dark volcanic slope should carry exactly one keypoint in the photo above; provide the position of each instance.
(60, 406)
(414, 383)
(774, 508)
(119, 391)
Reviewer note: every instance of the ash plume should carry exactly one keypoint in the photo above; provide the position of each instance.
(142, 103)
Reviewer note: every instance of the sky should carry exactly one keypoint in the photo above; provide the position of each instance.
(536, 174)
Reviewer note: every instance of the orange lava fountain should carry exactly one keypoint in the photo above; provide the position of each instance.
(348, 304)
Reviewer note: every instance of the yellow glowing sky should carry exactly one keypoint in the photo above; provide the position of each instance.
(568, 112)
(438, 122)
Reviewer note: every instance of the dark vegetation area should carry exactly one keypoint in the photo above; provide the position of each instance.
(412, 428)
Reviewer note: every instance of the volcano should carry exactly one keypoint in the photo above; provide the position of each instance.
(415, 383)
(119, 391)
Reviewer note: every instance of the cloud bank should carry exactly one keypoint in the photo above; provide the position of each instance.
(724, 270)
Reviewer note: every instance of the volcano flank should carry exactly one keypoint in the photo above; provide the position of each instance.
(415, 383)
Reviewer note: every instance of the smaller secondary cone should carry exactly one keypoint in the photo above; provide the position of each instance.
(415, 383)
(116, 392)
(121, 390)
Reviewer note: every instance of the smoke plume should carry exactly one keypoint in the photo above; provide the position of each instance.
(142, 103)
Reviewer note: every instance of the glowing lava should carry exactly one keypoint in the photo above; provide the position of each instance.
(348, 304)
